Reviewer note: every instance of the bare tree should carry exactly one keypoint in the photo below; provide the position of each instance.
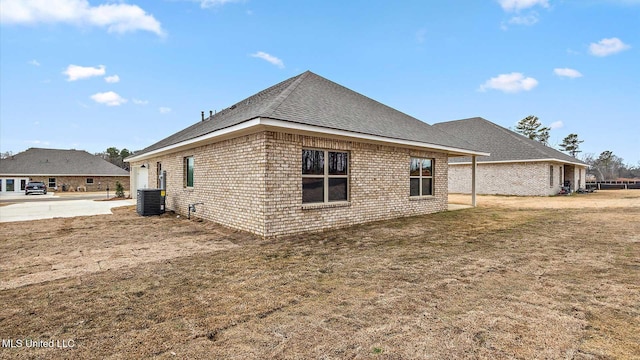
(606, 167)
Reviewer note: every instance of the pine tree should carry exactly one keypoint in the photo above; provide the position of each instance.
(532, 128)
(119, 190)
(529, 127)
(571, 144)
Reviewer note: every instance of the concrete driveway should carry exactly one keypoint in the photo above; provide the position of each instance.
(36, 210)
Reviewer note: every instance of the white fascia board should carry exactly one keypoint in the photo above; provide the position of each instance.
(274, 124)
(200, 139)
(518, 161)
(61, 175)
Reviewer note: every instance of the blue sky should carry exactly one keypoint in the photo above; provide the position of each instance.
(94, 74)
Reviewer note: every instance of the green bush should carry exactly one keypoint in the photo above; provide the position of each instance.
(119, 190)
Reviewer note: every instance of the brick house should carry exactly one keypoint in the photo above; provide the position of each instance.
(517, 165)
(68, 170)
(306, 154)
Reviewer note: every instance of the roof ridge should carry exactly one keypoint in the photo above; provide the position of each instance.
(275, 104)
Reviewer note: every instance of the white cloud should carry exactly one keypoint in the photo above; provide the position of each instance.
(606, 47)
(517, 5)
(112, 79)
(116, 17)
(272, 59)
(108, 98)
(139, 102)
(34, 62)
(526, 20)
(213, 3)
(556, 125)
(566, 72)
(75, 72)
(510, 83)
(164, 110)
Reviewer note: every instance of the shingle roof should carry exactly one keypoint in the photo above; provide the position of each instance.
(502, 143)
(38, 161)
(310, 99)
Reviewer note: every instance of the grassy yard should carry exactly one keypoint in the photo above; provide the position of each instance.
(490, 282)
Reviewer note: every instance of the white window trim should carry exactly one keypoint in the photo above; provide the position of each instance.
(432, 177)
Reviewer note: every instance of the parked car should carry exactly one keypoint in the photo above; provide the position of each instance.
(35, 187)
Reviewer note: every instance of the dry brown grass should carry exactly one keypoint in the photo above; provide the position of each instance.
(599, 200)
(487, 283)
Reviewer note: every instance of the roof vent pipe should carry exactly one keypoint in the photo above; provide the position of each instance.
(202, 115)
(210, 113)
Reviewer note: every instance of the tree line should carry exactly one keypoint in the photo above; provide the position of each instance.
(606, 166)
(116, 156)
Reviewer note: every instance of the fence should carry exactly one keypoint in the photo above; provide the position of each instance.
(613, 184)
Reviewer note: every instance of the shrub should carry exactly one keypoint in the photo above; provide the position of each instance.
(119, 190)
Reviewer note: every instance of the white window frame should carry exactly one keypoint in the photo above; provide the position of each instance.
(89, 183)
(421, 177)
(49, 182)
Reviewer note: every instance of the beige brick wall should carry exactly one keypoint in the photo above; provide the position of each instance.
(99, 182)
(253, 183)
(530, 179)
(228, 179)
(379, 185)
(576, 175)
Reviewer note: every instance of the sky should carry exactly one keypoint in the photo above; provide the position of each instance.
(95, 74)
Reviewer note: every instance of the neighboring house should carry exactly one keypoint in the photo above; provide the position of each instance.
(517, 165)
(66, 170)
(306, 154)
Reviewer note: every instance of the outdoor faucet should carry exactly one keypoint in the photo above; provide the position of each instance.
(192, 207)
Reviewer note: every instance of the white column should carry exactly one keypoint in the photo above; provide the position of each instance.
(473, 180)
(133, 181)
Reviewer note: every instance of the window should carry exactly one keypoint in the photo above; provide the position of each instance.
(159, 173)
(52, 182)
(188, 171)
(89, 181)
(551, 176)
(23, 184)
(10, 185)
(325, 176)
(421, 177)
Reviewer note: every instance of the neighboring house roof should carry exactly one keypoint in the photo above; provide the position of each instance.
(311, 100)
(503, 144)
(55, 162)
